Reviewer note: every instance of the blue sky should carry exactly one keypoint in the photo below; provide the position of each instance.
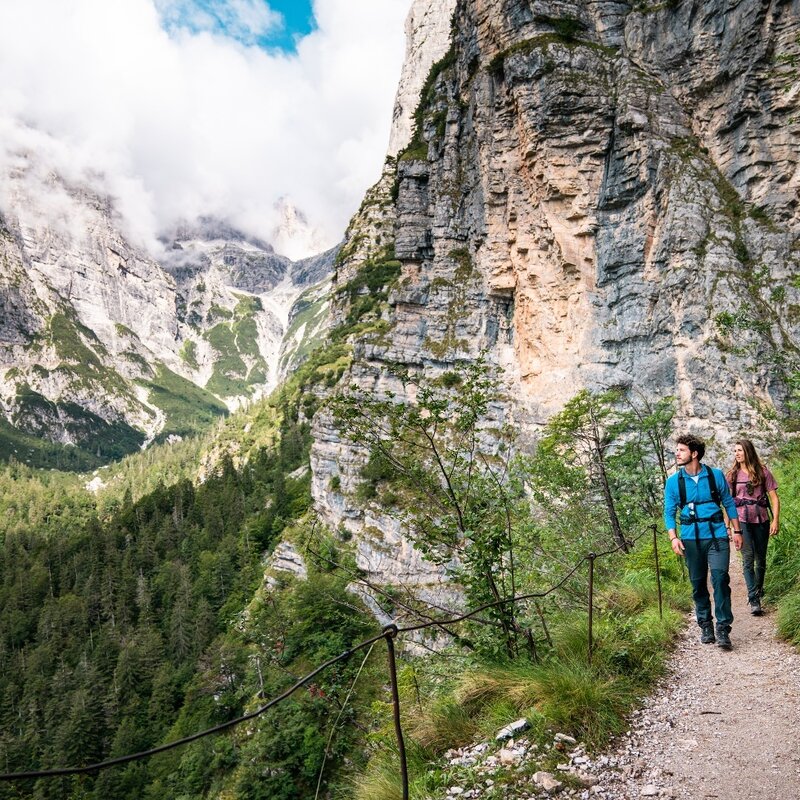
(269, 24)
(299, 20)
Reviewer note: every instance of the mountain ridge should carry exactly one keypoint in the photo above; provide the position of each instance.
(105, 348)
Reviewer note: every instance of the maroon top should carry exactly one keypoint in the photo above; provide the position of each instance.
(751, 501)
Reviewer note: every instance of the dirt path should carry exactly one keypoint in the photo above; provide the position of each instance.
(723, 724)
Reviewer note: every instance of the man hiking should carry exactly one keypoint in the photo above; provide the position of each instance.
(698, 493)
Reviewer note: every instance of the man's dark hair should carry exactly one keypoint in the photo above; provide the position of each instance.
(694, 444)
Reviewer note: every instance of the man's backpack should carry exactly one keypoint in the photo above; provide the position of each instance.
(693, 519)
(716, 498)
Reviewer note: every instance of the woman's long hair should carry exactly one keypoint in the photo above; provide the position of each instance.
(752, 465)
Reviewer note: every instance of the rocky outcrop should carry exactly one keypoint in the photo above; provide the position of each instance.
(310, 271)
(285, 558)
(427, 40)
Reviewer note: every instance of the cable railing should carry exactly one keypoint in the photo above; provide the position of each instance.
(388, 634)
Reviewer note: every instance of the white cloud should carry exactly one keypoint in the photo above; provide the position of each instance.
(245, 20)
(195, 123)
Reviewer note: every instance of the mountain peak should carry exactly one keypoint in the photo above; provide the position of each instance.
(212, 229)
(293, 236)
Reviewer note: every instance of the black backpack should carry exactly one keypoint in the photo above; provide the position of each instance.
(716, 498)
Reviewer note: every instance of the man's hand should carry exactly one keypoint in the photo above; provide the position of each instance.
(677, 546)
(737, 540)
(773, 528)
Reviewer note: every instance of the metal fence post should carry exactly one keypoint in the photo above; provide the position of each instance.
(591, 558)
(390, 631)
(658, 574)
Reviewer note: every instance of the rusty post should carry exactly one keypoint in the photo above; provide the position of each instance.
(390, 631)
(658, 574)
(591, 558)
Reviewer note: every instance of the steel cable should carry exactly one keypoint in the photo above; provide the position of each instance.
(388, 633)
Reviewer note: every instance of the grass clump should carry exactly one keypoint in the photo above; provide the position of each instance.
(589, 704)
(789, 616)
(446, 723)
(189, 354)
(782, 584)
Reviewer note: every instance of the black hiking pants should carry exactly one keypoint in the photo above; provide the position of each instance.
(755, 538)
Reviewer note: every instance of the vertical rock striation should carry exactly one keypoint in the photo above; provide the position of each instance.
(600, 193)
(427, 40)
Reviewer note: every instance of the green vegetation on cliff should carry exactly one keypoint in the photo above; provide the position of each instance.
(239, 366)
(188, 408)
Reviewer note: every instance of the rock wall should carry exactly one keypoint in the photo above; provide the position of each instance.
(427, 40)
(615, 178)
(605, 194)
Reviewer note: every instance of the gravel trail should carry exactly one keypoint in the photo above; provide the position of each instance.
(721, 725)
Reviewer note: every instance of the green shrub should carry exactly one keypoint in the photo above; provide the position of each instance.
(567, 28)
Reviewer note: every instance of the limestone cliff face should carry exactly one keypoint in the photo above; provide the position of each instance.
(427, 40)
(603, 193)
(619, 177)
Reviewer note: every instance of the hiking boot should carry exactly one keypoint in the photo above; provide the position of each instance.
(755, 608)
(707, 634)
(724, 640)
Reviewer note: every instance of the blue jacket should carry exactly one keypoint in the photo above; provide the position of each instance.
(700, 494)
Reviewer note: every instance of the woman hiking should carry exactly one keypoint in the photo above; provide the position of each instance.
(754, 491)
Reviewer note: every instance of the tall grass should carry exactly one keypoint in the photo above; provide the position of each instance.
(783, 565)
(782, 583)
(789, 616)
(561, 692)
